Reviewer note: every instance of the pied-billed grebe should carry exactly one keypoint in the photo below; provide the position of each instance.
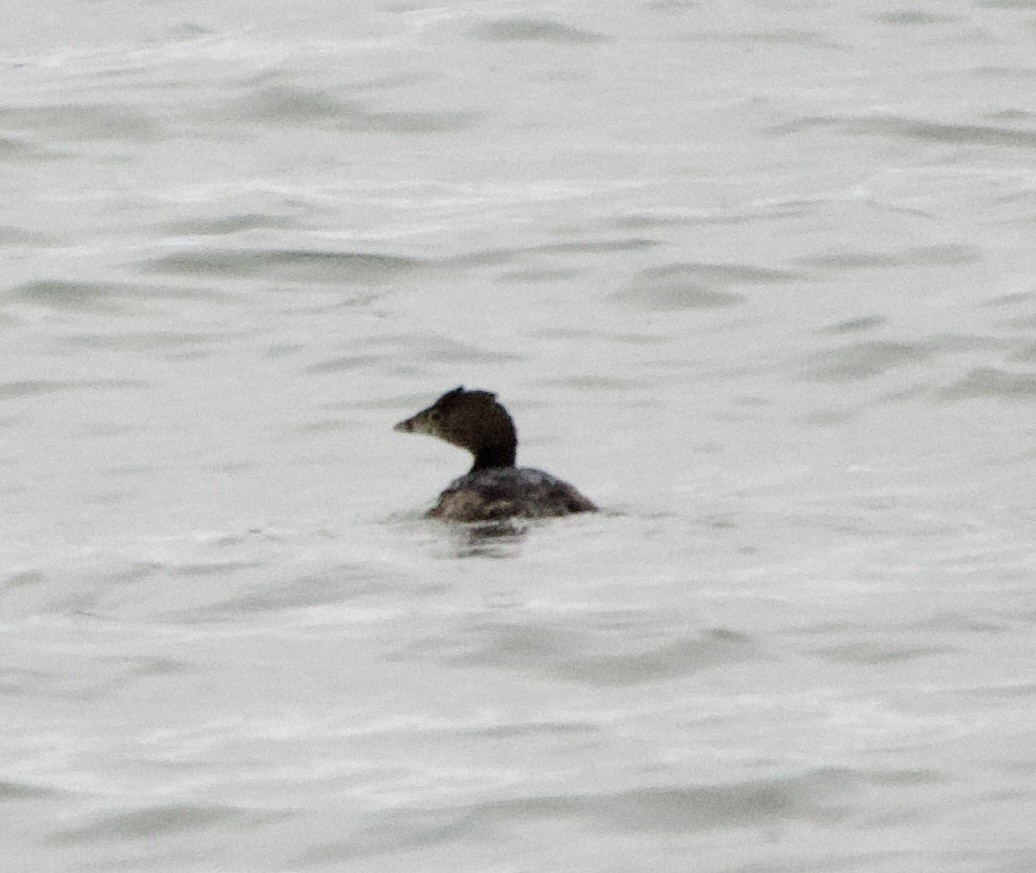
(494, 488)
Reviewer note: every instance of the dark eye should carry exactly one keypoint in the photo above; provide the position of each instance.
(434, 416)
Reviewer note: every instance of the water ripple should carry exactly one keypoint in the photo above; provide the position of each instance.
(26, 791)
(821, 796)
(698, 286)
(536, 30)
(159, 821)
(70, 296)
(993, 382)
(610, 651)
(36, 387)
(864, 360)
(296, 264)
(78, 122)
(916, 130)
(295, 105)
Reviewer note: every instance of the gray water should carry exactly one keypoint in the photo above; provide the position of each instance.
(757, 278)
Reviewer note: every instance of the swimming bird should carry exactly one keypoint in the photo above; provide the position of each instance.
(494, 488)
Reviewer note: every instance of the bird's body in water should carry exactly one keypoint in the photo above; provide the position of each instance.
(494, 488)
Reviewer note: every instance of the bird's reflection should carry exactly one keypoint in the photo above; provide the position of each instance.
(495, 539)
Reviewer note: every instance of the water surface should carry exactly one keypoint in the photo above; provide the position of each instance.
(758, 280)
